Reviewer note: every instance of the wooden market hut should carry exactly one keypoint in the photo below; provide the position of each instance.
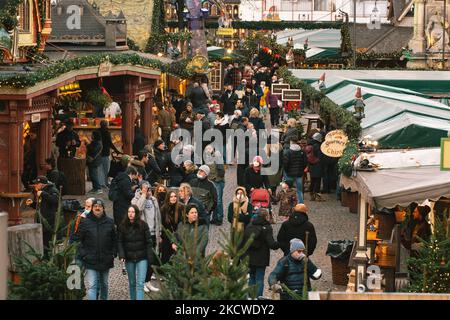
(401, 178)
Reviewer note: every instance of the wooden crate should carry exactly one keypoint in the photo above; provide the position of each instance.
(75, 172)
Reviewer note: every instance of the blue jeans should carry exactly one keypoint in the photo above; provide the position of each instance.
(218, 213)
(104, 170)
(95, 175)
(136, 278)
(257, 278)
(298, 185)
(97, 282)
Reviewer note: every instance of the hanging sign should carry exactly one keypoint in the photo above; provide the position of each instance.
(277, 88)
(291, 95)
(141, 97)
(445, 154)
(104, 69)
(334, 144)
(229, 32)
(36, 117)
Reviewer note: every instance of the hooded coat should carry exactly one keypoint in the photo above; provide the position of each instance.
(151, 214)
(294, 161)
(296, 227)
(259, 250)
(240, 211)
(125, 195)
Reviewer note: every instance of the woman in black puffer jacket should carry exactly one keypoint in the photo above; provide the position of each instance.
(259, 250)
(135, 249)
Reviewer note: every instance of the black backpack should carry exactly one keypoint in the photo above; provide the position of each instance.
(113, 193)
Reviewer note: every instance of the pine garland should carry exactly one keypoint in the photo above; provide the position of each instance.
(30, 79)
(345, 162)
(270, 25)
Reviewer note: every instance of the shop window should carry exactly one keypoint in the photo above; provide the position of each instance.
(214, 10)
(236, 12)
(24, 16)
(230, 11)
(215, 77)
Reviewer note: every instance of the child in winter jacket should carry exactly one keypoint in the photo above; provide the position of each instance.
(287, 197)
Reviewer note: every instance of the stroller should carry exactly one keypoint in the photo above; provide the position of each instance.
(260, 198)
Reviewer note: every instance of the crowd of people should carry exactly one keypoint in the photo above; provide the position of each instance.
(152, 192)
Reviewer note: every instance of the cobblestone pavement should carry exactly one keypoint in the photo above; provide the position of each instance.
(331, 221)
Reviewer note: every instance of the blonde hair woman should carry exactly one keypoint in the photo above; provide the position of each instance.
(256, 120)
(291, 133)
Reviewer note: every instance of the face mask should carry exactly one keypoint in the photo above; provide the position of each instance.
(161, 196)
(200, 176)
(301, 256)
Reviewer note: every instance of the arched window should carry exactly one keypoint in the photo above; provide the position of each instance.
(236, 12)
(213, 10)
(24, 16)
(230, 11)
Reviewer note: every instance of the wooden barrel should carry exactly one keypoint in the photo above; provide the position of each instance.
(75, 171)
(353, 202)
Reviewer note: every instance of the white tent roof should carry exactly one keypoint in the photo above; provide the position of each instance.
(371, 74)
(346, 95)
(319, 38)
(332, 83)
(414, 177)
(379, 109)
(404, 120)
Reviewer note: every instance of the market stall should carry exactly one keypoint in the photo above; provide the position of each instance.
(388, 185)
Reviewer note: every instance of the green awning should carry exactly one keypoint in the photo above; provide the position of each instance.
(220, 54)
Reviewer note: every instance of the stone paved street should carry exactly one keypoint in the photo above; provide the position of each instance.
(331, 221)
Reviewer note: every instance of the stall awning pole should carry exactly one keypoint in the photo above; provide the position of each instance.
(3, 255)
(361, 249)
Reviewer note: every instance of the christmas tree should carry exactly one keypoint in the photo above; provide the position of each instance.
(430, 268)
(219, 276)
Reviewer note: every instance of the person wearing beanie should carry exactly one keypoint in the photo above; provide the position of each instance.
(296, 227)
(204, 190)
(290, 270)
(253, 177)
(97, 240)
(190, 171)
(287, 197)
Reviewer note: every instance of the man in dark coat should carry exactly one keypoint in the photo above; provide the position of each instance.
(179, 103)
(204, 190)
(122, 186)
(98, 247)
(315, 159)
(229, 99)
(290, 270)
(187, 197)
(68, 141)
(46, 198)
(162, 157)
(108, 145)
(259, 251)
(151, 167)
(296, 227)
(198, 97)
(294, 164)
(55, 176)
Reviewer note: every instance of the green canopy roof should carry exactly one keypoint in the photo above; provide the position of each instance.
(220, 54)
